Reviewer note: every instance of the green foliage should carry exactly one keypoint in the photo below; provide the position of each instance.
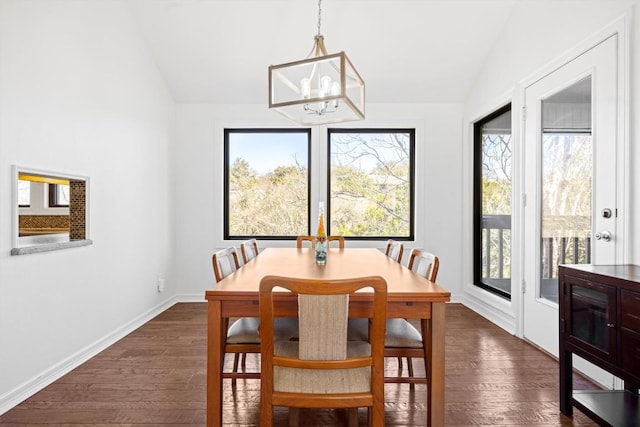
(370, 186)
(373, 200)
(274, 204)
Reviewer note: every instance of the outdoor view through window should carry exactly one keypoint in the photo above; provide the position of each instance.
(370, 183)
(266, 182)
(492, 182)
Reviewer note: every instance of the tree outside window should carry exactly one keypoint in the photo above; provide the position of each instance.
(266, 183)
(371, 183)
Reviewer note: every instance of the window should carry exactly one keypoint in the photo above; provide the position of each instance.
(370, 176)
(24, 193)
(58, 196)
(492, 202)
(267, 183)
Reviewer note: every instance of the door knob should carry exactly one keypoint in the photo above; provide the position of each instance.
(605, 235)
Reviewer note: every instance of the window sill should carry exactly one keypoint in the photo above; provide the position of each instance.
(45, 247)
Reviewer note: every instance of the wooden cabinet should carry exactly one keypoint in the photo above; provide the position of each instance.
(600, 322)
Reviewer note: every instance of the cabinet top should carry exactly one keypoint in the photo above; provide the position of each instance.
(628, 272)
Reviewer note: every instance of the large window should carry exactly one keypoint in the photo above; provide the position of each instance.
(370, 179)
(266, 183)
(492, 202)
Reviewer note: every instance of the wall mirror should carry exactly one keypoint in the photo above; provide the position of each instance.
(50, 211)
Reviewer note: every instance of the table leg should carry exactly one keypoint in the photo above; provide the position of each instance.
(434, 346)
(214, 364)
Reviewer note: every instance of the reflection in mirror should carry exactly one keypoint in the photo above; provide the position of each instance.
(51, 211)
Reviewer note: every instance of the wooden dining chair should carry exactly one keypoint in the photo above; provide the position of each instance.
(249, 250)
(402, 339)
(394, 250)
(242, 335)
(338, 239)
(323, 369)
(301, 239)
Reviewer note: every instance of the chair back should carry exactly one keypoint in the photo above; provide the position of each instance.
(225, 262)
(394, 250)
(249, 250)
(287, 367)
(424, 263)
(338, 239)
(301, 239)
(330, 341)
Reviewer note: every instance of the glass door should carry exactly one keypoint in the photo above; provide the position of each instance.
(570, 181)
(566, 183)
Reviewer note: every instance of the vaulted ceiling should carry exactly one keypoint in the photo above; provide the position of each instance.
(407, 51)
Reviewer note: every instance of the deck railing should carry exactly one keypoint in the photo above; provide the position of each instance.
(496, 247)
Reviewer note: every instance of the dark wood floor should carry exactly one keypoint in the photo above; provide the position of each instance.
(157, 375)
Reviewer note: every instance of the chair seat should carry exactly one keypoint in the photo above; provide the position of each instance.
(399, 333)
(245, 330)
(356, 380)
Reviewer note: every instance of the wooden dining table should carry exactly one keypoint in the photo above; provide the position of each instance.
(409, 295)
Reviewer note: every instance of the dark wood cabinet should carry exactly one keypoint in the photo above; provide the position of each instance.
(600, 322)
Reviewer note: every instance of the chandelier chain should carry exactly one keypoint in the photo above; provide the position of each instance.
(319, 15)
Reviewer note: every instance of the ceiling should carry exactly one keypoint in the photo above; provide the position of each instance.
(407, 51)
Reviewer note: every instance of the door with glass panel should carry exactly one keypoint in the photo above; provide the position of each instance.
(570, 213)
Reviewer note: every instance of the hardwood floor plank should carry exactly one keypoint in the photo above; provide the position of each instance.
(156, 376)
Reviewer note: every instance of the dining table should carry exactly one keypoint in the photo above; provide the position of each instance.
(409, 295)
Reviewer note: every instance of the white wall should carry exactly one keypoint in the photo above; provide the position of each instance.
(80, 94)
(537, 34)
(199, 176)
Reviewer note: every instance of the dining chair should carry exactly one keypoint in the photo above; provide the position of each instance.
(242, 335)
(322, 369)
(339, 239)
(394, 250)
(403, 340)
(249, 250)
(301, 239)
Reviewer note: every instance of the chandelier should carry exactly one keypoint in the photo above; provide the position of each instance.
(319, 89)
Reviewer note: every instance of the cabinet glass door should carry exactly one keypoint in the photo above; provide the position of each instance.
(592, 315)
(589, 315)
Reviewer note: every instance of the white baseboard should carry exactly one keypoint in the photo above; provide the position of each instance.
(27, 389)
(190, 298)
(499, 317)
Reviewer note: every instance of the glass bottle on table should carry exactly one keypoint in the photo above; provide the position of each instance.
(321, 238)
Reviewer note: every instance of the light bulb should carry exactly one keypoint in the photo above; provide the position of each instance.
(305, 88)
(325, 83)
(335, 88)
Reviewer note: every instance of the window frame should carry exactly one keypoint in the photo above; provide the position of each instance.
(226, 206)
(477, 201)
(53, 197)
(412, 180)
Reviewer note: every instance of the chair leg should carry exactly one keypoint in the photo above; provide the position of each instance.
(412, 386)
(266, 414)
(353, 417)
(244, 362)
(400, 365)
(294, 417)
(236, 358)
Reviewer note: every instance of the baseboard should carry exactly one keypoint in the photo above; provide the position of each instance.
(27, 389)
(499, 317)
(190, 298)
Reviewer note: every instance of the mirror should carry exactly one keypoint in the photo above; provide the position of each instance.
(50, 211)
